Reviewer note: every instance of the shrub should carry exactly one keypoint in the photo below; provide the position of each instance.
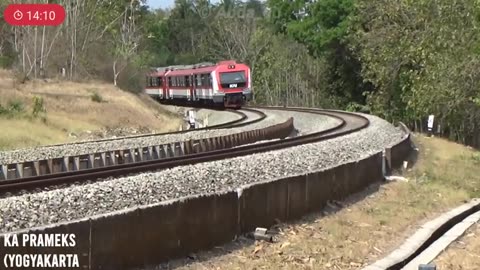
(38, 106)
(6, 62)
(96, 97)
(13, 108)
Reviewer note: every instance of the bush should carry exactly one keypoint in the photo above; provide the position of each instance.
(6, 62)
(356, 107)
(39, 107)
(14, 108)
(96, 97)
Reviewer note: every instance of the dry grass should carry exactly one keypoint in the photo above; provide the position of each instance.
(463, 254)
(71, 109)
(370, 225)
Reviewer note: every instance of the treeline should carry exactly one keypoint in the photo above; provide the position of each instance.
(98, 39)
(400, 59)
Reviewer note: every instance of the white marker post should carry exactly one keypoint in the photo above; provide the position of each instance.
(430, 124)
(191, 119)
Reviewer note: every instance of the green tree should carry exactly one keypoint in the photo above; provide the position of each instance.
(323, 27)
(422, 58)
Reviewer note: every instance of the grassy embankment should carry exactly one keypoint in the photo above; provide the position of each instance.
(371, 224)
(41, 113)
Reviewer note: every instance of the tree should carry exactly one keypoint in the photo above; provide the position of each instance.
(421, 56)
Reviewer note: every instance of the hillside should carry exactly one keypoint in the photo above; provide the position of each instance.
(69, 111)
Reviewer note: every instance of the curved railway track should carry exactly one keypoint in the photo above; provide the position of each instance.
(349, 123)
(112, 149)
(241, 122)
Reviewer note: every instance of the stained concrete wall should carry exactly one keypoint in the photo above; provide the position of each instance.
(153, 234)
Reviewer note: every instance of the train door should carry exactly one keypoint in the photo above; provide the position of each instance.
(164, 87)
(168, 84)
(193, 86)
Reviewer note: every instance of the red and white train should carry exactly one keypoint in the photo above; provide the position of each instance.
(226, 83)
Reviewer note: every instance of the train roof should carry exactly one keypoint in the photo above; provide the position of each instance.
(188, 69)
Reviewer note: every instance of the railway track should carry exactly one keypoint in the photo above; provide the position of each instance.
(90, 154)
(349, 123)
(242, 121)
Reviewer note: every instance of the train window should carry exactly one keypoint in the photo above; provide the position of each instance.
(169, 81)
(210, 81)
(198, 78)
(147, 81)
(159, 81)
(187, 81)
(232, 77)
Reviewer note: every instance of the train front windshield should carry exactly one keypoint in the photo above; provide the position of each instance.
(233, 79)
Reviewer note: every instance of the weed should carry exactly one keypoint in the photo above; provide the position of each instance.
(96, 97)
(476, 157)
(13, 108)
(39, 108)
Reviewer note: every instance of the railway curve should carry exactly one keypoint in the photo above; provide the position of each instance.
(348, 123)
(222, 198)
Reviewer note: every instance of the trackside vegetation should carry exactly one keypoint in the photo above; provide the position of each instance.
(399, 59)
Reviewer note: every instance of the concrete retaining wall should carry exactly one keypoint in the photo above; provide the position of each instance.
(156, 233)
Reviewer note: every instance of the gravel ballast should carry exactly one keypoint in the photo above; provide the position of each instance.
(49, 152)
(75, 202)
(216, 117)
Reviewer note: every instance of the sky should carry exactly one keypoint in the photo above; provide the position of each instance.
(165, 3)
(160, 3)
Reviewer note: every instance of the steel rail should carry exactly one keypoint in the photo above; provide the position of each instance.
(29, 163)
(230, 124)
(349, 123)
